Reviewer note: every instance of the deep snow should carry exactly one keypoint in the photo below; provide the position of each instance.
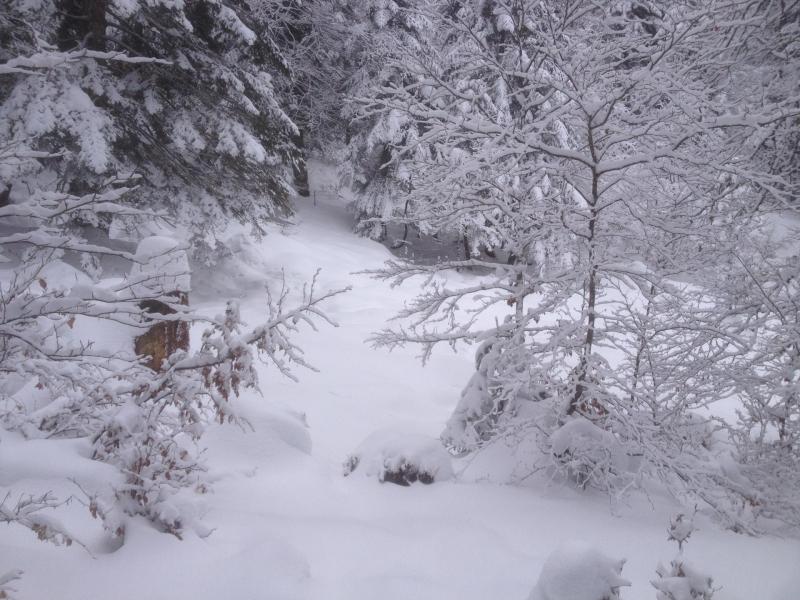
(287, 524)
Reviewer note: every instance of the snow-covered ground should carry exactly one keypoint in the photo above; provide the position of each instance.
(288, 526)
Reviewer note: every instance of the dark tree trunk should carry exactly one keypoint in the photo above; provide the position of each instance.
(5, 195)
(578, 402)
(299, 168)
(83, 24)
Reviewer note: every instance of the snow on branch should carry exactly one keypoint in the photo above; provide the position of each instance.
(27, 513)
(43, 61)
(142, 432)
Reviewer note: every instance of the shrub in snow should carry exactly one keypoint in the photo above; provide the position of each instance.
(680, 529)
(475, 417)
(151, 435)
(400, 458)
(577, 571)
(681, 581)
(498, 394)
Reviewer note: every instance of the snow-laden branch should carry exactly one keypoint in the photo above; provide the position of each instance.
(44, 61)
(27, 512)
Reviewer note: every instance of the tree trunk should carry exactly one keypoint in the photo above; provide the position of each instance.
(591, 290)
(637, 363)
(300, 169)
(83, 24)
(165, 337)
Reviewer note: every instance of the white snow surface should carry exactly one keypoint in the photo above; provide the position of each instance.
(288, 526)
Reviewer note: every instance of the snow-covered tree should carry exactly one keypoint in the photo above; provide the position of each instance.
(54, 299)
(351, 47)
(599, 150)
(762, 296)
(314, 38)
(202, 126)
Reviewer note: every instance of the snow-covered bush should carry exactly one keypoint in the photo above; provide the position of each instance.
(578, 571)
(681, 581)
(400, 458)
(481, 409)
(503, 391)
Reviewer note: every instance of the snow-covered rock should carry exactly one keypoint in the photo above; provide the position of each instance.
(400, 458)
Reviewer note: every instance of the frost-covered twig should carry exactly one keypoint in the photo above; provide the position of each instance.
(27, 513)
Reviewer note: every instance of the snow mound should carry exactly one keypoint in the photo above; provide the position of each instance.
(272, 433)
(580, 435)
(591, 454)
(578, 571)
(400, 458)
(162, 263)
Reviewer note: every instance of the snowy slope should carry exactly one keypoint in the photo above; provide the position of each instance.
(288, 525)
